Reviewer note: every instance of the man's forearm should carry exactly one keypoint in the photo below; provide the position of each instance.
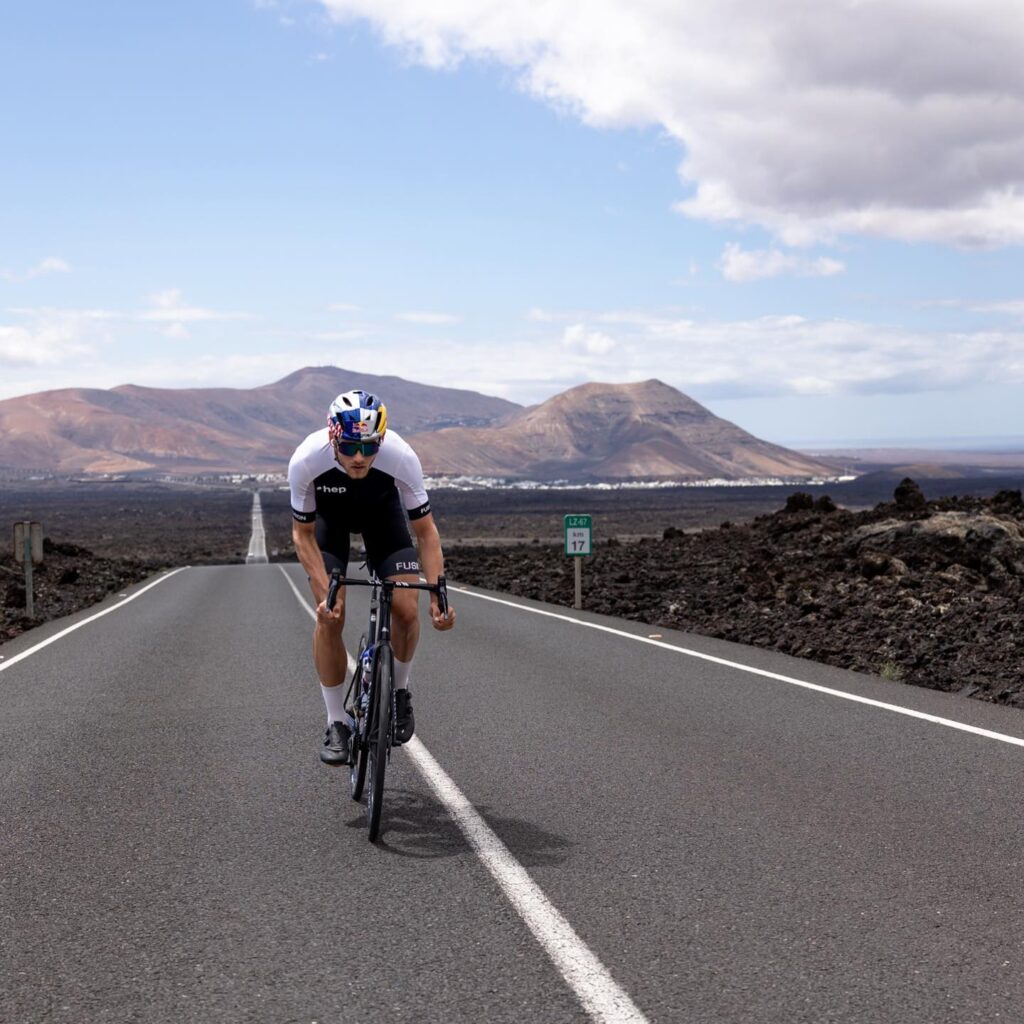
(431, 556)
(312, 561)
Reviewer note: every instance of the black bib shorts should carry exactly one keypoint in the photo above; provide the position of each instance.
(385, 531)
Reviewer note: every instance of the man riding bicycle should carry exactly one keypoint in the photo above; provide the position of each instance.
(348, 478)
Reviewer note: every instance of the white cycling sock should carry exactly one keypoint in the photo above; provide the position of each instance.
(402, 670)
(334, 698)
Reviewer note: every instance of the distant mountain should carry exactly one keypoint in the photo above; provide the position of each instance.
(647, 430)
(592, 432)
(211, 430)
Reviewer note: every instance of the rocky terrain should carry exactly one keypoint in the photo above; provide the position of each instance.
(927, 592)
(70, 578)
(99, 538)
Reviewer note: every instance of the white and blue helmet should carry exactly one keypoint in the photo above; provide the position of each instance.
(357, 416)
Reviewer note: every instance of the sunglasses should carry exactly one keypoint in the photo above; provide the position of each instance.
(365, 448)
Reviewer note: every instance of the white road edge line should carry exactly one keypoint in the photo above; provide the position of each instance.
(935, 719)
(603, 999)
(92, 618)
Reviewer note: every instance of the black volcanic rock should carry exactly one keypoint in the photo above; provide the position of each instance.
(908, 494)
(932, 595)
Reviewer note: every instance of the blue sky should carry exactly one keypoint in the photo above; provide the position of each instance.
(516, 198)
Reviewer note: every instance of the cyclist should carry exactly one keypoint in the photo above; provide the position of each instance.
(356, 476)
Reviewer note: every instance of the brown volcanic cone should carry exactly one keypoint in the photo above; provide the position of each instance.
(612, 432)
(209, 430)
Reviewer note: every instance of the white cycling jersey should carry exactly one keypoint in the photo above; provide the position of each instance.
(319, 485)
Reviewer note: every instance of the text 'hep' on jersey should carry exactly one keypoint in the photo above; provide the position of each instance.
(320, 487)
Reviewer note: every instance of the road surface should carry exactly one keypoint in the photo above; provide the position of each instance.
(720, 842)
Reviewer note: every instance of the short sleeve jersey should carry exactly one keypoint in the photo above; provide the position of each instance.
(320, 487)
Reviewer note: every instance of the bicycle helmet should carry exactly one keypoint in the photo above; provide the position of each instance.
(357, 416)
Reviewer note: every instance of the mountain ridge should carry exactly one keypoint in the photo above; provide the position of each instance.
(137, 429)
(595, 431)
(640, 430)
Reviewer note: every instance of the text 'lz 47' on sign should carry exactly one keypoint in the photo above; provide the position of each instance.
(578, 535)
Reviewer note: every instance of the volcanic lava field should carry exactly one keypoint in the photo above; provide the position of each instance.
(923, 585)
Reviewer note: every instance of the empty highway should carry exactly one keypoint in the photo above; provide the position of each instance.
(594, 824)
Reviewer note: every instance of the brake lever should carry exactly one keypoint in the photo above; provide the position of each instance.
(442, 596)
(332, 590)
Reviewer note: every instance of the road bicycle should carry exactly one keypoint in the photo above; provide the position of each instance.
(370, 697)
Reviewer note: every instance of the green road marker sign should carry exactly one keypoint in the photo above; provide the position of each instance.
(578, 542)
(578, 531)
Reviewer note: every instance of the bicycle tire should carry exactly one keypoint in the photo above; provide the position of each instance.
(379, 736)
(357, 773)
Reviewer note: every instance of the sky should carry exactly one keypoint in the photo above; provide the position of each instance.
(808, 216)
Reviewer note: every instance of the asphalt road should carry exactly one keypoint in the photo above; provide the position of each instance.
(729, 846)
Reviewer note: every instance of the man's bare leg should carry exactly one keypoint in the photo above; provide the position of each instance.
(329, 654)
(405, 621)
(405, 635)
(331, 665)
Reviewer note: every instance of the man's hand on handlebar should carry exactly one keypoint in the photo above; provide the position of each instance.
(440, 621)
(328, 610)
(326, 617)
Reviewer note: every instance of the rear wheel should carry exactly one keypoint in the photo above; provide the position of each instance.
(378, 736)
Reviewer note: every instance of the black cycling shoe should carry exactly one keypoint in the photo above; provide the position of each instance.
(336, 744)
(405, 723)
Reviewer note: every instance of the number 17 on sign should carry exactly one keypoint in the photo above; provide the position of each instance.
(578, 542)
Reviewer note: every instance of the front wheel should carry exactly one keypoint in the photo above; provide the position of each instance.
(357, 774)
(378, 735)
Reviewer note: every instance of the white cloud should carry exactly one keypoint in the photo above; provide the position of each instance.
(542, 316)
(772, 357)
(50, 265)
(1013, 308)
(48, 337)
(739, 264)
(177, 332)
(896, 118)
(430, 319)
(714, 360)
(594, 342)
(168, 307)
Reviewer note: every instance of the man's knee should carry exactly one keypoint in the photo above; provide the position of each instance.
(404, 608)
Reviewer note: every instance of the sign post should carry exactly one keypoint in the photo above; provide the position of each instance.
(578, 542)
(28, 548)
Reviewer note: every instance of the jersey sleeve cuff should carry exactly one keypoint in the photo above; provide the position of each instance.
(420, 512)
(304, 517)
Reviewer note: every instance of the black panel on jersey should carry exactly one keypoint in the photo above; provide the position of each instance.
(370, 506)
